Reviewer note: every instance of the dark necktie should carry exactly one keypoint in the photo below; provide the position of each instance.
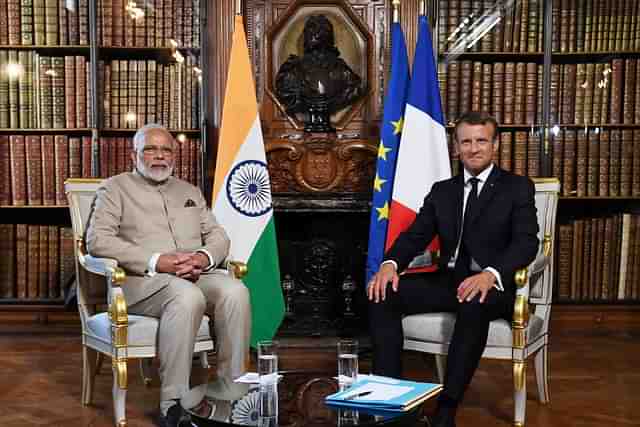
(472, 201)
(463, 262)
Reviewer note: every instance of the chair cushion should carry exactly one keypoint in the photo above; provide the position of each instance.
(438, 327)
(141, 330)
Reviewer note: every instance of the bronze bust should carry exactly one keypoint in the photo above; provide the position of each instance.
(320, 82)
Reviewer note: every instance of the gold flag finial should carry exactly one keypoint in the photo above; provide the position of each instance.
(396, 13)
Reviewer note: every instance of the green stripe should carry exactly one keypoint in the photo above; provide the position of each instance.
(263, 281)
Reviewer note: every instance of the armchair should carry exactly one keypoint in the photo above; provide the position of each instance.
(113, 332)
(527, 334)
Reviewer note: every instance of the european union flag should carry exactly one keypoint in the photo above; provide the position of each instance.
(390, 129)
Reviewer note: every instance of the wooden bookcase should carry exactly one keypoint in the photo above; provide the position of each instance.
(75, 84)
(563, 79)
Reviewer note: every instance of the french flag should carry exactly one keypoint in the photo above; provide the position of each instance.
(423, 157)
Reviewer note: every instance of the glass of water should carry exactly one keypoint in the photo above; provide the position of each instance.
(347, 363)
(268, 377)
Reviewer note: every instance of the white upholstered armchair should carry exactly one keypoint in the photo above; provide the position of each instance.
(113, 332)
(527, 334)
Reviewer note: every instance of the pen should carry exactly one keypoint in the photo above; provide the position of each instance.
(355, 396)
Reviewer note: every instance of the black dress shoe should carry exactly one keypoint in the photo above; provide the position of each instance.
(176, 417)
(442, 420)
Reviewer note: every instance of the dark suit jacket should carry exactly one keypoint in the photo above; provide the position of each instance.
(502, 232)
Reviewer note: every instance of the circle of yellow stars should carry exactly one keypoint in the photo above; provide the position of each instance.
(383, 212)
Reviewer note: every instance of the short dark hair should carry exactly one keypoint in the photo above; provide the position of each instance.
(476, 118)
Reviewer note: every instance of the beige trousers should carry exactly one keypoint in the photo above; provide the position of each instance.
(180, 307)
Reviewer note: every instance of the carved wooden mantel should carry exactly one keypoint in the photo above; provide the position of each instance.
(320, 163)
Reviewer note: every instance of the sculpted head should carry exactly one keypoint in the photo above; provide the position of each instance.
(154, 151)
(318, 33)
(475, 135)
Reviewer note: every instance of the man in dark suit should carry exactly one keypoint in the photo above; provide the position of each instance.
(486, 222)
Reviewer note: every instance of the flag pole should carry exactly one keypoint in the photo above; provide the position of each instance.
(238, 7)
(423, 10)
(396, 13)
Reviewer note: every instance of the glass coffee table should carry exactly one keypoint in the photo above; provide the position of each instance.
(301, 404)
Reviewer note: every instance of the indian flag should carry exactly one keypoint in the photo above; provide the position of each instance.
(242, 192)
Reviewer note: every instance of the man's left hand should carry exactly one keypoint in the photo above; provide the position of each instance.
(193, 267)
(480, 283)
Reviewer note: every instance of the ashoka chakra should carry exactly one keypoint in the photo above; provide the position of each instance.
(248, 188)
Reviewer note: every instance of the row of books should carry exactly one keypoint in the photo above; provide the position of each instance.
(44, 22)
(150, 23)
(36, 261)
(597, 162)
(136, 92)
(487, 26)
(595, 93)
(33, 168)
(518, 152)
(598, 259)
(44, 91)
(511, 91)
(595, 25)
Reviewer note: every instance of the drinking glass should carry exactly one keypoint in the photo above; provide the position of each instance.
(268, 377)
(347, 363)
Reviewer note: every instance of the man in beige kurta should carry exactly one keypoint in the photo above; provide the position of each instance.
(161, 231)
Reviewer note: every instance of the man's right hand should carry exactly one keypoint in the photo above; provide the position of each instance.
(172, 262)
(377, 286)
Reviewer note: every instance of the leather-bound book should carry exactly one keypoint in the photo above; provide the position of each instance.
(166, 93)
(105, 19)
(600, 95)
(132, 84)
(43, 262)
(629, 91)
(582, 160)
(617, 66)
(105, 143)
(33, 151)
(45, 92)
(588, 25)
(576, 259)
(574, 170)
(635, 180)
(114, 102)
(13, 17)
(517, 23)
(506, 150)
(83, 22)
(520, 153)
(626, 162)
(124, 94)
(533, 154)
(22, 259)
(465, 86)
(53, 280)
(607, 252)
(597, 260)
(564, 26)
(117, 17)
(57, 88)
(139, 31)
(39, 32)
(585, 294)
(63, 27)
(568, 93)
(580, 24)
(565, 248)
(87, 158)
(554, 94)
(81, 88)
(160, 23)
(178, 22)
(603, 172)
(613, 25)
(141, 97)
(5, 171)
(572, 26)
(14, 116)
(169, 32)
(66, 259)
(509, 89)
(4, 91)
(75, 157)
(62, 167)
(588, 93)
(48, 171)
(26, 21)
(519, 93)
(151, 101)
(637, 96)
(531, 92)
(7, 261)
(17, 157)
(121, 155)
(113, 157)
(614, 162)
(51, 22)
(581, 85)
(593, 163)
(603, 25)
(70, 91)
(73, 23)
(129, 29)
(32, 260)
(4, 25)
(557, 159)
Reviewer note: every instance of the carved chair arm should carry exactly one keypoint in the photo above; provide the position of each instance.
(237, 269)
(520, 308)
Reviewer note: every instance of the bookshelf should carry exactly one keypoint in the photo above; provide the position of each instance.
(563, 79)
(76, 81)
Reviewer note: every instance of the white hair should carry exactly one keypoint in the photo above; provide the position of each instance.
(139, 137)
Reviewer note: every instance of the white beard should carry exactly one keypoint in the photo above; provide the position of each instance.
(153, 175)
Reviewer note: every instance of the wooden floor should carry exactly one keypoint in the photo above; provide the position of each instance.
(595, 381)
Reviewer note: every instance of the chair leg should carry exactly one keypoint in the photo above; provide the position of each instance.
(99, 363)
(519, 392)
(204, 360)
(119, 392)
(441, 366)
(542, 374)
(145, 371)
(89, 358)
